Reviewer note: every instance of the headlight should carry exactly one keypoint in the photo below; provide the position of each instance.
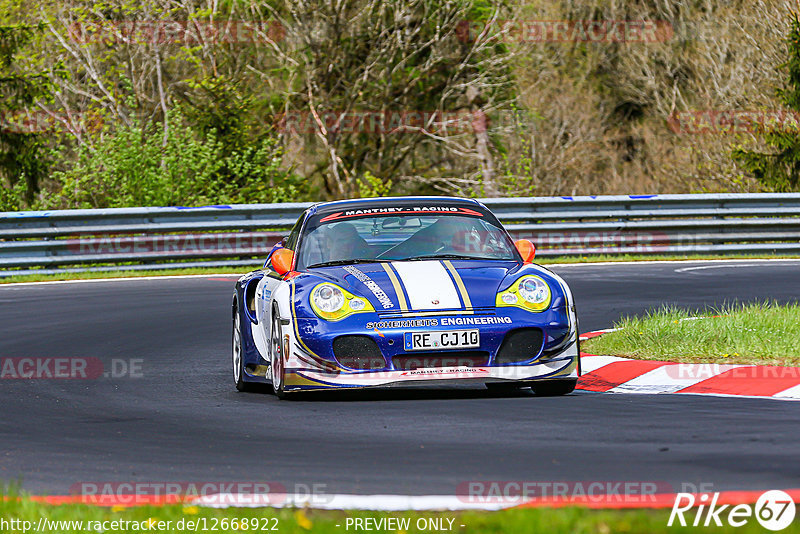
(534, 290)
(357, 304)
(332, 303)
(529, 292)
(328, 298)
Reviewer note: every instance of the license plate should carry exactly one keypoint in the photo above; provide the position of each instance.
(440, 340)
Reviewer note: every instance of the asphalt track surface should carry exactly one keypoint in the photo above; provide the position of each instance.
(183, 420)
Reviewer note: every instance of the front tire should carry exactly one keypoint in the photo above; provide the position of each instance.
(554, 388)
(276, 366)
(237, 356)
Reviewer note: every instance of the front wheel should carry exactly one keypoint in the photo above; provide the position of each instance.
(277, 356)
(237, 356)
(554, 388)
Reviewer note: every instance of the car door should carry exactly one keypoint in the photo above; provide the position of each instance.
(266, 290)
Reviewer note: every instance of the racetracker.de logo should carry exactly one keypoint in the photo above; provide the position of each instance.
(39, 121)
(732, 121)
(602, 242)
(183, 32)
(220, 244)
(383, 122)
(209, 493)
(69, 368)
(568, 31)
(515, 492)
(747, 373)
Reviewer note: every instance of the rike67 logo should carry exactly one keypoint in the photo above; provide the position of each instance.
(774, 510)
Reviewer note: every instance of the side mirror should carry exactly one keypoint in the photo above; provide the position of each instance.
(526, 249)
(282, 260)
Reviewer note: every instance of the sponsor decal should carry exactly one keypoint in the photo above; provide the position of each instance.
(443, 362)
(461, 321)
(411, 323)
(444, 321)
(379, 293)
(397, 210)
(445, 371)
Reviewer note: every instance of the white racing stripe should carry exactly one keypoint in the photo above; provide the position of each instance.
(428, 285)
(389, 503)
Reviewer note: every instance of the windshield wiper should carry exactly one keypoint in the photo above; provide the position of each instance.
(448, 257)
(347, 262)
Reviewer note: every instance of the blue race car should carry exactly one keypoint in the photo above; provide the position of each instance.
(403, 291)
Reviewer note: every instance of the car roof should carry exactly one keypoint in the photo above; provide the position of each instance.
(361, 203)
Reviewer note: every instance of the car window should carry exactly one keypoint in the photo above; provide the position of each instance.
(294, 235)
(403, 237)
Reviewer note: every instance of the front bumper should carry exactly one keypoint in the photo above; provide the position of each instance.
(311, 365)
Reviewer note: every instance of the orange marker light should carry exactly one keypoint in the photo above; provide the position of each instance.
(526, 249)
(282, 260)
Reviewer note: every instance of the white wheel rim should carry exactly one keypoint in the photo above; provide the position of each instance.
(237, 350)
(277, 363)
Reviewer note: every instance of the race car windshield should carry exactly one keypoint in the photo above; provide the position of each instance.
(403, 237)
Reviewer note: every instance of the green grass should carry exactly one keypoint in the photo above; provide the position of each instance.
(532, 520)
(242, 270)
(764, 334)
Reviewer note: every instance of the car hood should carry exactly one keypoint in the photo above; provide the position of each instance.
(429, 285)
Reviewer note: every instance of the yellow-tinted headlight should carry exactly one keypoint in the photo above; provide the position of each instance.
(530, 293)
(332, 303)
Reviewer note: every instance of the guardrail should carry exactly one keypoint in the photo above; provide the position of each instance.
(162, 238)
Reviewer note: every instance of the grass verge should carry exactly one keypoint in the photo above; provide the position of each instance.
(551, 521)
(242, 270)
(762, 334)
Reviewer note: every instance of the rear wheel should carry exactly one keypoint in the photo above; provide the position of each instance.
(237, 355)
(277, 356)
(554, 388)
